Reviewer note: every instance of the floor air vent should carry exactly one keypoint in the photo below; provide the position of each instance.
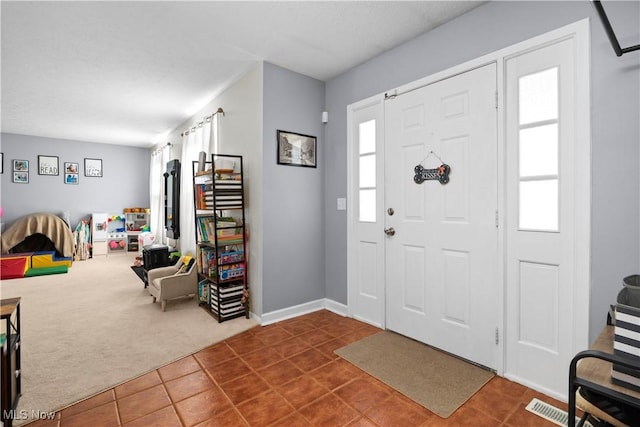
(551, 413)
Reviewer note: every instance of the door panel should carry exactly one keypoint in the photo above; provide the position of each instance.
(441, 264)
(540, 277)
(366, 258)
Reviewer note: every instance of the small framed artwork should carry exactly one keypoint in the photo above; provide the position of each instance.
(21, 177)
(295, 149)
(20, 165)
(71, 167)
(48, 165)
(70, 178)
(93, 167)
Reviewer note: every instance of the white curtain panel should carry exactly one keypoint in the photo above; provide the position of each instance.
(200, 138)
(159, 159)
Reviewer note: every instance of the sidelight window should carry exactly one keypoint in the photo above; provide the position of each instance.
(538, 148)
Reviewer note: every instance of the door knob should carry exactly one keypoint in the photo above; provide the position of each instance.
(389, 231)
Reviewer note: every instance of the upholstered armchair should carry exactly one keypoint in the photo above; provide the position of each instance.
(180, 280)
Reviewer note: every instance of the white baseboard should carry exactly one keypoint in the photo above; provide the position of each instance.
(299, 310)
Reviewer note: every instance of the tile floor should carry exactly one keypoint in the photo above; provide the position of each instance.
(285, 374)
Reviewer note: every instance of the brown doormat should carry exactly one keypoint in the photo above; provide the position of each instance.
(436, 380)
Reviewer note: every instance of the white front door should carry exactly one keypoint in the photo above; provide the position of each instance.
(441, 264)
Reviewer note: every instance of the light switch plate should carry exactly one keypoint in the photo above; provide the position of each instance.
(342, 204)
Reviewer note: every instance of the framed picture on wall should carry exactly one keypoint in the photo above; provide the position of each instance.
(93, 167)
(20, 177)
(295, 149)
(71, 167)
(71, 178)
(48, 165)
(20, 165)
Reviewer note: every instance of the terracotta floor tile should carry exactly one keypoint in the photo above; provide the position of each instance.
(165, 417)
(362, 422)
(142, 403)
(302, 391)
(297, 327)
(336, 329)
(329, 410)
(335, 373)
(92, 402)
(395, 412)
(100, 416)
(265, 409)
(203, 406)
(309, 360)
(329, 347)
(280, 373)
(141, 383)
(293, 420)
(362, 394)
(261, 358)
(463, 417)
(315, 337)
(290, 347)
(359, 334)
(188, 385)
(503, 386)
(497, 406)
(244, 388)
(271, 334)
(230, 418)
(181, 367)
(228, 370)
(214, 355)
(245, 343)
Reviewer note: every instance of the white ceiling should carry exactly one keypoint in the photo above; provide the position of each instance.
(129, 72)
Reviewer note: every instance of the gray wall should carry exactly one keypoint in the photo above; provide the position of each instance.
(615, 94)
(125, 181)
(293, 203)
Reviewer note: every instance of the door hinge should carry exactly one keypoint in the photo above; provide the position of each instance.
(496, 99)
(497, 218)
(497, 336)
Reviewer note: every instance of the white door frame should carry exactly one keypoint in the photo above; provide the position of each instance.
(580, 32)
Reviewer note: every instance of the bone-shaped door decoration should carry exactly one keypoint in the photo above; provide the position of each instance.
(440, 173)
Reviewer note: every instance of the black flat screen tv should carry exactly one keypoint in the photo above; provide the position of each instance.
(172, 199)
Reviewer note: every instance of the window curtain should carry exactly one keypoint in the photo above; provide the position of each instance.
(159, 159)
(202, 137)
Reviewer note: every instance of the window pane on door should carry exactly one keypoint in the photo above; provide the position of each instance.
(539, 205)
(368, 171)
(539, 151)
(367, 208)
(367, 137)
(538, 96)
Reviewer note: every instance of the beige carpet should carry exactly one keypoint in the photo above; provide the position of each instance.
(434, 379)
(96, 327)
